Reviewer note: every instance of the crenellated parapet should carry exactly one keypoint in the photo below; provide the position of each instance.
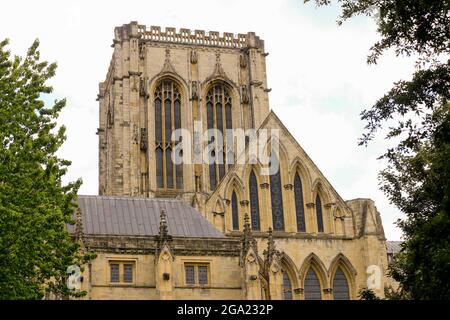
(188, 37)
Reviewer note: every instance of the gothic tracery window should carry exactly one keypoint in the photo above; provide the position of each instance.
(219, 117)
(340, 286)
(234, 211)
(312, 286)
(276, 198)
(319, 214)
(286, 287)
(299, 205)
(167, 118)
(254, 201)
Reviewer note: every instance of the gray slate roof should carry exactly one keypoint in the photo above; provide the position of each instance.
(393, 246)
(110, 215)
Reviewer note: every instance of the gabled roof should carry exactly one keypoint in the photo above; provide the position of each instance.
(127, 216)
(393, 246)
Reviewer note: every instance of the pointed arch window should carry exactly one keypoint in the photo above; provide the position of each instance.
(254, 201)
(234, 211)
(319, 214)
(276, 197)
(286, 287)
(312, 286)
(340, 286)
(167, 118)
(219, 117)
(299, 205)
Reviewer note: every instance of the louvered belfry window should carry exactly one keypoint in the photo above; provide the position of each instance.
(299, 205)
(167, 118)
(254, 201)
(219, 117)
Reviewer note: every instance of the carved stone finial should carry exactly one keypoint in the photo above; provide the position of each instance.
(271, 252)
(163, 237)
(247, 241)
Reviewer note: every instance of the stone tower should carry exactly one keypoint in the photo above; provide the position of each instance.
(159, 81)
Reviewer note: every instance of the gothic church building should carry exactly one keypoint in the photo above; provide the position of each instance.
(220, 230)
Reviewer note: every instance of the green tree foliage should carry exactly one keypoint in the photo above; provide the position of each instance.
(367, 294)
(35, 207)
(417, 176)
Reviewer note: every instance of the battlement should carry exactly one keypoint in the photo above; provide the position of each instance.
(187, 36)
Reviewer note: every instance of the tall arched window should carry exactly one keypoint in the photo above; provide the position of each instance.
(276, 197)
(167, 118)
(312, 286)
(219, 117)
(340, 286)
(254, 201)
(319, 214)
(286, 287)
(299, 205)
(234, 211)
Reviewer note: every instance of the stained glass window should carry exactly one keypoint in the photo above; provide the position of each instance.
(234, 211)
(167, 117)
(127, 273)
(254, 201)
(276, 197)
(340, 286)
(190, 274)
(287, 287)
(319, 214)
(114, 269)
(312, 286)
(219, 117)
(299, 205)
(202, 275)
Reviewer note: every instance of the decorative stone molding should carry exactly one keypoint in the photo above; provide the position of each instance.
(243, 61)
(245, 95)
(227, 201)
(256, 83)
(194, 57)
(144, 139)
(329, 205)
(142, 50)
(299, 290)
(310, 205)
(194, 90)
(328, 290)
(267, 89)
(264, 185)
(288, 186)
(218, 214)
(244, 203)
(198, 37)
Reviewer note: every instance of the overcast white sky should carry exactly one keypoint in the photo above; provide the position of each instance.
(317, 71)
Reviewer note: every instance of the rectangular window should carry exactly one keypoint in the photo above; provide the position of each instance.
(190, 274)
(114, 272)
(202, 275)
(197, 274)
(128, 273)
(121, 271)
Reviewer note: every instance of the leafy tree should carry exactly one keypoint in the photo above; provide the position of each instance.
(417, 176)
(35, 207)
(367, 294)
